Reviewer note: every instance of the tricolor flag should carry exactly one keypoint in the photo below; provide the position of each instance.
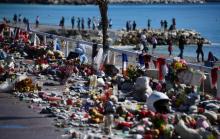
(124, 64)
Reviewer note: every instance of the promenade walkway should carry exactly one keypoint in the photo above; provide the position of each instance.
(17, 121)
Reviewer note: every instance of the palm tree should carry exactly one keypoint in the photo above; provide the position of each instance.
(103, 8)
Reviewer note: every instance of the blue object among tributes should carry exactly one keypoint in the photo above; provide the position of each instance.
(81, 51)
(141, 60)
(58, 47)
(3, 55)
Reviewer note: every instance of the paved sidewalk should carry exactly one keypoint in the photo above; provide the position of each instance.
(17, 121)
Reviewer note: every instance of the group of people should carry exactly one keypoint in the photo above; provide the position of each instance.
(131, 25)
(164, 25)
(181, 43)
(18, 19)
(199, 49)
(144, 42)
(95, 23)
(92, 23)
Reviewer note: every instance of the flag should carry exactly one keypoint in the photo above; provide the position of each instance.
(162, 68)
(124, 64)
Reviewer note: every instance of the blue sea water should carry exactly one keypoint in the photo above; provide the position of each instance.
(204, 18)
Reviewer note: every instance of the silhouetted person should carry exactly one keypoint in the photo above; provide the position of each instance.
(82, 23)
(37, 21)
(127, 26)
(161, 24)
(165, 24)
(144, 42)
(78, 23)
(89, 23)
(62, 21)
(110, 23)
(28, 25)
(148, 24)
(154, 43)
(73, 22)
(134, 25)
(199, 49)
(24, 20)
(15, 18)
(174, 23)
(181, 46)
(170, 46)
(19, 18)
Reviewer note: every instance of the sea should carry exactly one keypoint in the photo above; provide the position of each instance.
(203, 18)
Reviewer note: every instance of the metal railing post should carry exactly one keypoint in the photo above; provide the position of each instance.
(67, 49)
(45, 39)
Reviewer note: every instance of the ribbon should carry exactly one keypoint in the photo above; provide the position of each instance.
(160, 64)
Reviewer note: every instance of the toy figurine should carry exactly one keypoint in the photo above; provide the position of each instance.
(109, 111)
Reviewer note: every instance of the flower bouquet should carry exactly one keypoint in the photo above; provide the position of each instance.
(25, 85)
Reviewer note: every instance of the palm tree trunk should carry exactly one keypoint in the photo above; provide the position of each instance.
(103, 8)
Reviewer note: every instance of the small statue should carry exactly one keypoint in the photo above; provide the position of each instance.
(109, 117)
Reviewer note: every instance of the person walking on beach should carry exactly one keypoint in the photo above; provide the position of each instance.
(110, 23)
(89, 23)
(37, 21)
(19, 18)
(170, 46)
(199, 49)
(144, 42)
(78, 23)
(15, 18)
(181, 46)
(161, 25)
(94, 23)
(62, 21)
(27, 24)
(154, 43)
(174, 23)
(148, 24)
(73, 22)
(127, 26)
(24, 20)
(82, 23)
(134, 25)
(165, 25)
